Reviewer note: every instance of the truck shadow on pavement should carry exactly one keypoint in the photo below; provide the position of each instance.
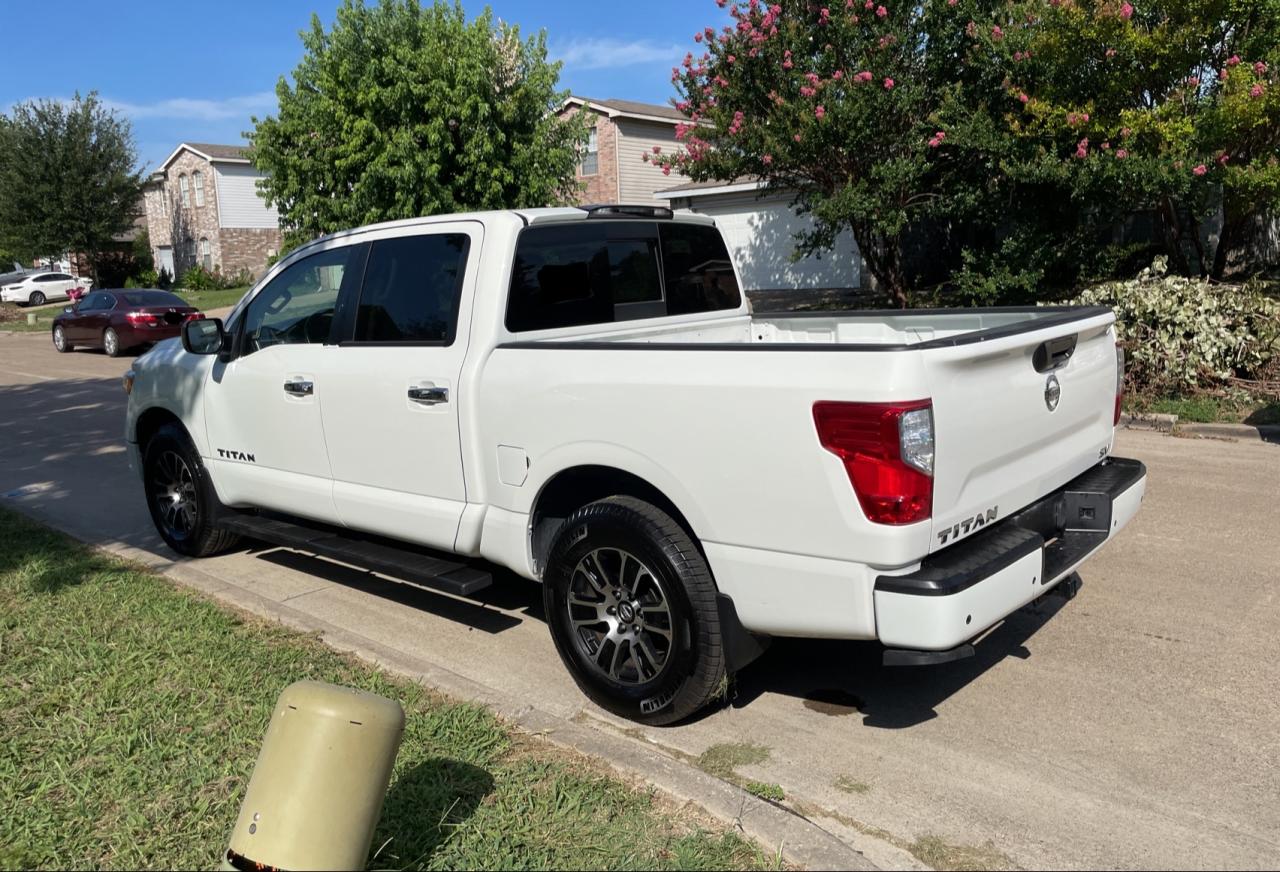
(840, 679)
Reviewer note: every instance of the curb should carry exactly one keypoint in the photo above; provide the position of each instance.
(1195, 429)
(797, 839)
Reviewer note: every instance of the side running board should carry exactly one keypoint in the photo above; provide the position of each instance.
(418, 566)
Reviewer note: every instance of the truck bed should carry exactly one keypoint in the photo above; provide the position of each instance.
(874, 330)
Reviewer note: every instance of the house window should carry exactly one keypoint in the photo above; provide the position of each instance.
(184, 191)
(591, 157)
(206, 256)
(197, 182)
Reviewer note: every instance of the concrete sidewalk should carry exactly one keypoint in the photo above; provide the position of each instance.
(1131, 728)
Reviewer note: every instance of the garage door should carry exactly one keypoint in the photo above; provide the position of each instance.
(761, 237)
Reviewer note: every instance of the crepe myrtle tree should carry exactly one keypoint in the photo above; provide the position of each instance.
(826, 101)
(1021, 133)
(1166, 105)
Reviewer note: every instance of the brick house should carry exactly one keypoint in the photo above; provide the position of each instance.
(612, 169)
(203, 207)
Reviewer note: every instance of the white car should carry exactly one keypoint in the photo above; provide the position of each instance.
(584, 397)
(38, 288)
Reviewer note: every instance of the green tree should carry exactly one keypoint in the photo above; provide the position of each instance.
(401, 110)
(69, 178)
(1009, 140)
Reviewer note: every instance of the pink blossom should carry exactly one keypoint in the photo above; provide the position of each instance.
(1260, 68)
(1082, 147)
(996, 33)
(697, 37)
(1023, 98)
(657, 149)
(1017, 56)
(1111, 52)
(864, 76)
(837, 75)
(881, 12)
(1126, 11)
(1256, 90)
(806, 91)
(796, 137)
(1233, 61)
(721, 3)
(1106, 146)
(825, 15)
(971, 30)
(1121, 154)
(813, 78)
(1223, 74)
(952, 2)
(1124, 132)
(731, 59)
(1193, 81)
(870, 4)
(819, 112)
(1084, 116)
(766, 159)
(935, 142)
(888, 84)
(1200, 170)
(1223, 158)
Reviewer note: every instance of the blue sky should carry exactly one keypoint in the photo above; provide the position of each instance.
(197, 72)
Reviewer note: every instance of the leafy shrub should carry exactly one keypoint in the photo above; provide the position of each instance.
(200, 279)
(1183, 334)
(145, 279)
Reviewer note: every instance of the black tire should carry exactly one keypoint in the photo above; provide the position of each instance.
(60, 340)
(650, 685)
(166, 483)
(111, 343)
(37, 298)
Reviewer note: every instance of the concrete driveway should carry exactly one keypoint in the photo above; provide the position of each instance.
(1134, 727)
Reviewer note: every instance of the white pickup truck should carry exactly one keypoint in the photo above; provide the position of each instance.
(583, 396)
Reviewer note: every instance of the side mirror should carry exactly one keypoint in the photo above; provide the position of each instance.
(67, 310)
(203, 336)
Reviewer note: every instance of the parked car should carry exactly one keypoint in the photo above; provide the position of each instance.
(17, 274)
(38, 288)
(116, 321)
(584, 396)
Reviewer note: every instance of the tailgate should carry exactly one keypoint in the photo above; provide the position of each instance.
(999, 444)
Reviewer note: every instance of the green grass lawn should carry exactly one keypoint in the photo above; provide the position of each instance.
(207, 300)
(1209, 409)
(131, 713)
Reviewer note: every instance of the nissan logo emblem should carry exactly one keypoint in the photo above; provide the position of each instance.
(1052, 393)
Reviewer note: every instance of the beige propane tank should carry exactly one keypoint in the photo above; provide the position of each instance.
(317, 789)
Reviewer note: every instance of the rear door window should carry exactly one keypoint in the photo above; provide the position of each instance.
(411, 289)
(590, 272)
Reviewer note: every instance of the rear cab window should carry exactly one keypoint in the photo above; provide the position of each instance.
(606, 271)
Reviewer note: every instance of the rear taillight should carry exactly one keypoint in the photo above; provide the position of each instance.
(887, 449)
(1119, 384)
(193, 316)
(143, 319)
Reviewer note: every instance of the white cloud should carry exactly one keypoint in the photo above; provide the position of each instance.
(598, 53)
(195, 109)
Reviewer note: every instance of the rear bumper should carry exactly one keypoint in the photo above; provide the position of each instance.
(962, 591)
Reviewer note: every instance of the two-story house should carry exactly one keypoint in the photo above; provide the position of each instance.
(613, 169)
(203, 208)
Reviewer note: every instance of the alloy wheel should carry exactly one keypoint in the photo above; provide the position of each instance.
(172, 489)
(620, 616)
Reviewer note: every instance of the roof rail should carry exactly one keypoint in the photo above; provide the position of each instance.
(621, 210)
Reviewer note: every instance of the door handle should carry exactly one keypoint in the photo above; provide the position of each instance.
(429, 396)
(299, 388)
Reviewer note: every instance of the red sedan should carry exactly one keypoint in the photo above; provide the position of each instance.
(119, 320)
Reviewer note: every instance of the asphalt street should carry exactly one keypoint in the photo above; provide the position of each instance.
(1133, 727)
